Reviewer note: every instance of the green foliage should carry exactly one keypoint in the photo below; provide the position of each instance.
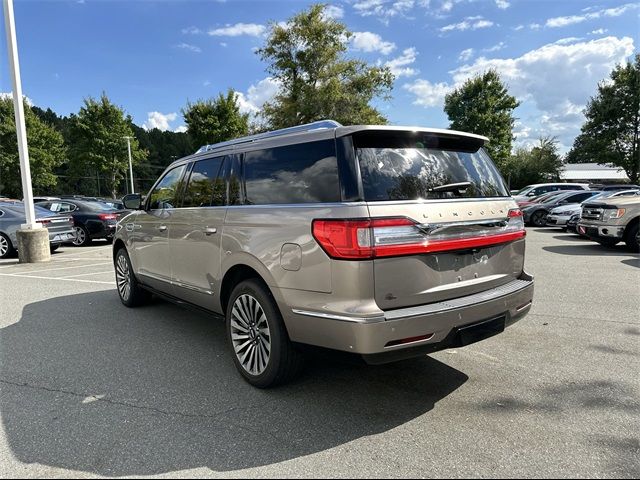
(307, 57)
(610, 133)
(540, 164)
(97, 143)
(482, 105)
(46, 152)
(215, 120)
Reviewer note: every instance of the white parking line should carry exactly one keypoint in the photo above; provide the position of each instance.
(65, 268)
(55, 278)
(85, 274)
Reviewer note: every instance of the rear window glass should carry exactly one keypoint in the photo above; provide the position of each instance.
(303, 173)
(412, 173)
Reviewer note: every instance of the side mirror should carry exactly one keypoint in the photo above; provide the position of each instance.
(133, 201)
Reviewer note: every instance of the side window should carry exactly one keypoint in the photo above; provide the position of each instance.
(54, 207)
(578, 197)
(302, 173)
(568, 187)
(166, 192)
(205, 187)
(67, 207)
(541, 190)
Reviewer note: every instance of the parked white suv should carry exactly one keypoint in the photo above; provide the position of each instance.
(531, 191)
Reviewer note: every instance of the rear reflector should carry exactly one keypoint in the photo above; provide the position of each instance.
(107, 216)
(365, 239)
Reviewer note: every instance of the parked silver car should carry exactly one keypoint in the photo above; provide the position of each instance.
(387, 242)
(12, 216)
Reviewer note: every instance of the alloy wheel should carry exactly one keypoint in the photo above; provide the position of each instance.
(123, 277)
(81, 236)
(250, 334)
(4, 246)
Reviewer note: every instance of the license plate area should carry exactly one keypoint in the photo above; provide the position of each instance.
(480, 331)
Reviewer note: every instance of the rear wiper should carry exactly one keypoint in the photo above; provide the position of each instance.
(451, 187)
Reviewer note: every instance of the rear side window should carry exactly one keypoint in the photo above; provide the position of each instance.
(578, 197)
(205, 187)
(411, 170)
(303, 173)
(166, 192)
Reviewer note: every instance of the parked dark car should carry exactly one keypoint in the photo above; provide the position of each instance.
(93, 219)
(609, 188)
(536, 214)
(12, 216)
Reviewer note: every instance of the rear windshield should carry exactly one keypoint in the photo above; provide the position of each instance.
(412, 172)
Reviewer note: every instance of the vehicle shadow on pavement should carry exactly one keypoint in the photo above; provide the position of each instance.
(91, 386)
(590, 249)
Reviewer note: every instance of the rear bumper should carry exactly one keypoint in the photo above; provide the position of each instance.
(376, 338)
(57, 238)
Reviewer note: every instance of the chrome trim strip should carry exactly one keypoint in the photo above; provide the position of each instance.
(461, 302)
(341, 318)
(192, 287)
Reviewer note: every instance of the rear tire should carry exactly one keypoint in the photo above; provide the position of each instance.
(129, 290)
(632, 238)
(6, 247)
(82, 236)
(54, 248)
(260, 345)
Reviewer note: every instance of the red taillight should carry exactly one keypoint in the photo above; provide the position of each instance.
(44, 222)
(365, 239)
(107, 216)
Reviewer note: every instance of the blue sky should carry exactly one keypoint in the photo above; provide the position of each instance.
(152, 56)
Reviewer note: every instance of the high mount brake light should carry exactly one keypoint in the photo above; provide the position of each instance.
(365, 239)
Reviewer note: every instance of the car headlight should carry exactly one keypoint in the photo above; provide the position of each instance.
(565, 212)
(616, 213)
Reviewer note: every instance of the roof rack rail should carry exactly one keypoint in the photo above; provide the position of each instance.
(322, 124)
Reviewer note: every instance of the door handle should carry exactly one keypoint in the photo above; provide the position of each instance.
(210, 230)
(162, 228)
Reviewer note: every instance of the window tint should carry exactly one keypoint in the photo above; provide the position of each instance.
(235, 191)
(413, 173)
(578, 197)
(205, 187)
(303, 173)
(165, 194)
(569, 187)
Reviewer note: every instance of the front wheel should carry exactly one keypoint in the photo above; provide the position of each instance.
(632, 238)
(539, 218)
(262, 351)
(6, 247)
(130, 292)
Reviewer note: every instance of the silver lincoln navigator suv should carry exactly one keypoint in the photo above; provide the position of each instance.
(387, 242)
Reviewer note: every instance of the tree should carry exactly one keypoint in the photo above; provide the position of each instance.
(542, 163)
(307, 57)
(98, 146)
(482, 105)
(215, 120)
(610, 132)
(46, 152)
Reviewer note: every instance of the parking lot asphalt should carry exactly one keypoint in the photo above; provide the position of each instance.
(89, 388)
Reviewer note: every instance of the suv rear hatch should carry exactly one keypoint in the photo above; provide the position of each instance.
(443, 223)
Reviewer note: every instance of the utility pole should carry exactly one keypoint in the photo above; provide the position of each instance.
(33, 240)
(130, 166)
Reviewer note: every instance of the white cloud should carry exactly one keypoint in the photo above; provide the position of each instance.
(399, 66)
(250, 29)
(224, 44)
(385, 9)
(469, 23)
(502, 4)
(567, 41)
(334, 11)
(557, 22)
(372, 42)
(9, 95)
(428, 94)
(599, 31)
(554, 81)
(189, 47)
(495, 48)
(181, 129)
(518, 28)
(159, 120)
(466, 55)
(191, 31)
(535, 26)
(252, 101)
